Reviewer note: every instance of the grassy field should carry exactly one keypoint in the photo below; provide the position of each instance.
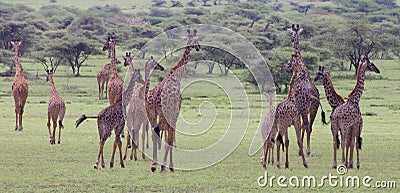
(30, 164)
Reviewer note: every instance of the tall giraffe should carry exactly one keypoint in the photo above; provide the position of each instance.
(116, 85)
(164, 102)
(56, 108)
(334, 99)
(136, 116)
(19, 88)
(347, 117)
(306, 93)
(285, 114)
(103, 77)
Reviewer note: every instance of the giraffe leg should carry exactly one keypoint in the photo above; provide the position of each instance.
(297, 126)
(54, 131)
(351, 153)
(98, 83)
(143, 139)
(135, 141)
(265, 154)
(121, 161)
(22, 106)
(48, 127)
(172, 143)
(96, 165)
(17, 109)
(59, 132)
(278, 148)
(287, 149)
(113, 152)
(147, 134)
(128, 138)
(154, 138)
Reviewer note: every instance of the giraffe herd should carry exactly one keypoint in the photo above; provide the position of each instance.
(159, 107)
(303, 98)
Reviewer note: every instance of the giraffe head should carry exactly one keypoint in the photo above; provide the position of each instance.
(50, 72)
(295, 30)
(15, 43)
(290, 64)
(192, 40)
(370, 66)
(153, 65)
(108, 45)
(320, 73)
(127, 59)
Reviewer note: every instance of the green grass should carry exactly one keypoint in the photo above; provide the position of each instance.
(30, 164)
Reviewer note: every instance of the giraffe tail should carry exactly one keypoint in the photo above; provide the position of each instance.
(323, 117)
(337, 142)
(359, 142)
(280, 139)
(82, 118)
(60, 124)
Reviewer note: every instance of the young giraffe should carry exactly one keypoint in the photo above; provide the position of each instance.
(110, 118)
(347, 117)
(56, 108)
(116, 85)
(306, 93)
(103, 77)
(164, 101)
(19, 88)
(285, 114)
(334, 99)
(137, 116)
(265, 130)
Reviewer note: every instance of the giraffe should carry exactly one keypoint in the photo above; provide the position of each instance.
(56, 108)
(116, 85)
(306, 93)
(110, 118)
(103, 77)
(164, 102)
(334, 99)
(284, 115)
(137, 116)
(265, 130)
(19, 88)
(347, 117)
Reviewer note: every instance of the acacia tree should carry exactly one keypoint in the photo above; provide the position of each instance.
(75, 51)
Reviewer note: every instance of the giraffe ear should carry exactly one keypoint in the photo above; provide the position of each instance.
(188, 31)
(300, 30)
(322, 68)
(152, 57)
(129, 54)
(297, 26)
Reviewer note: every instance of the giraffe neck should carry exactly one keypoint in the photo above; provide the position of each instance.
(146, 80)
(301, 70)
(296, 45)
(18, 69)
(291, 85)
(355, 95)
(52, 86)
(333, 97)
(183, 61)
(113, 61)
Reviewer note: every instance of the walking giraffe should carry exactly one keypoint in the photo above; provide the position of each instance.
(347, 118)
(164, 102)
(103, 77)
(19, 88)
(56, 108)
(110, 118)
(137, 116)
(116, 85)
(284, 115)
(306, 93)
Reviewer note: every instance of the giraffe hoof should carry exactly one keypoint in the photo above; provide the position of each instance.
(278, 166)
(143, 156)
(122, 165)
(153, 168)
(305, 164)
(162, 168)
(95, 167)
(111, 164)
(16, 128)
(172, 170)
(286, 166)
(58, 142)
